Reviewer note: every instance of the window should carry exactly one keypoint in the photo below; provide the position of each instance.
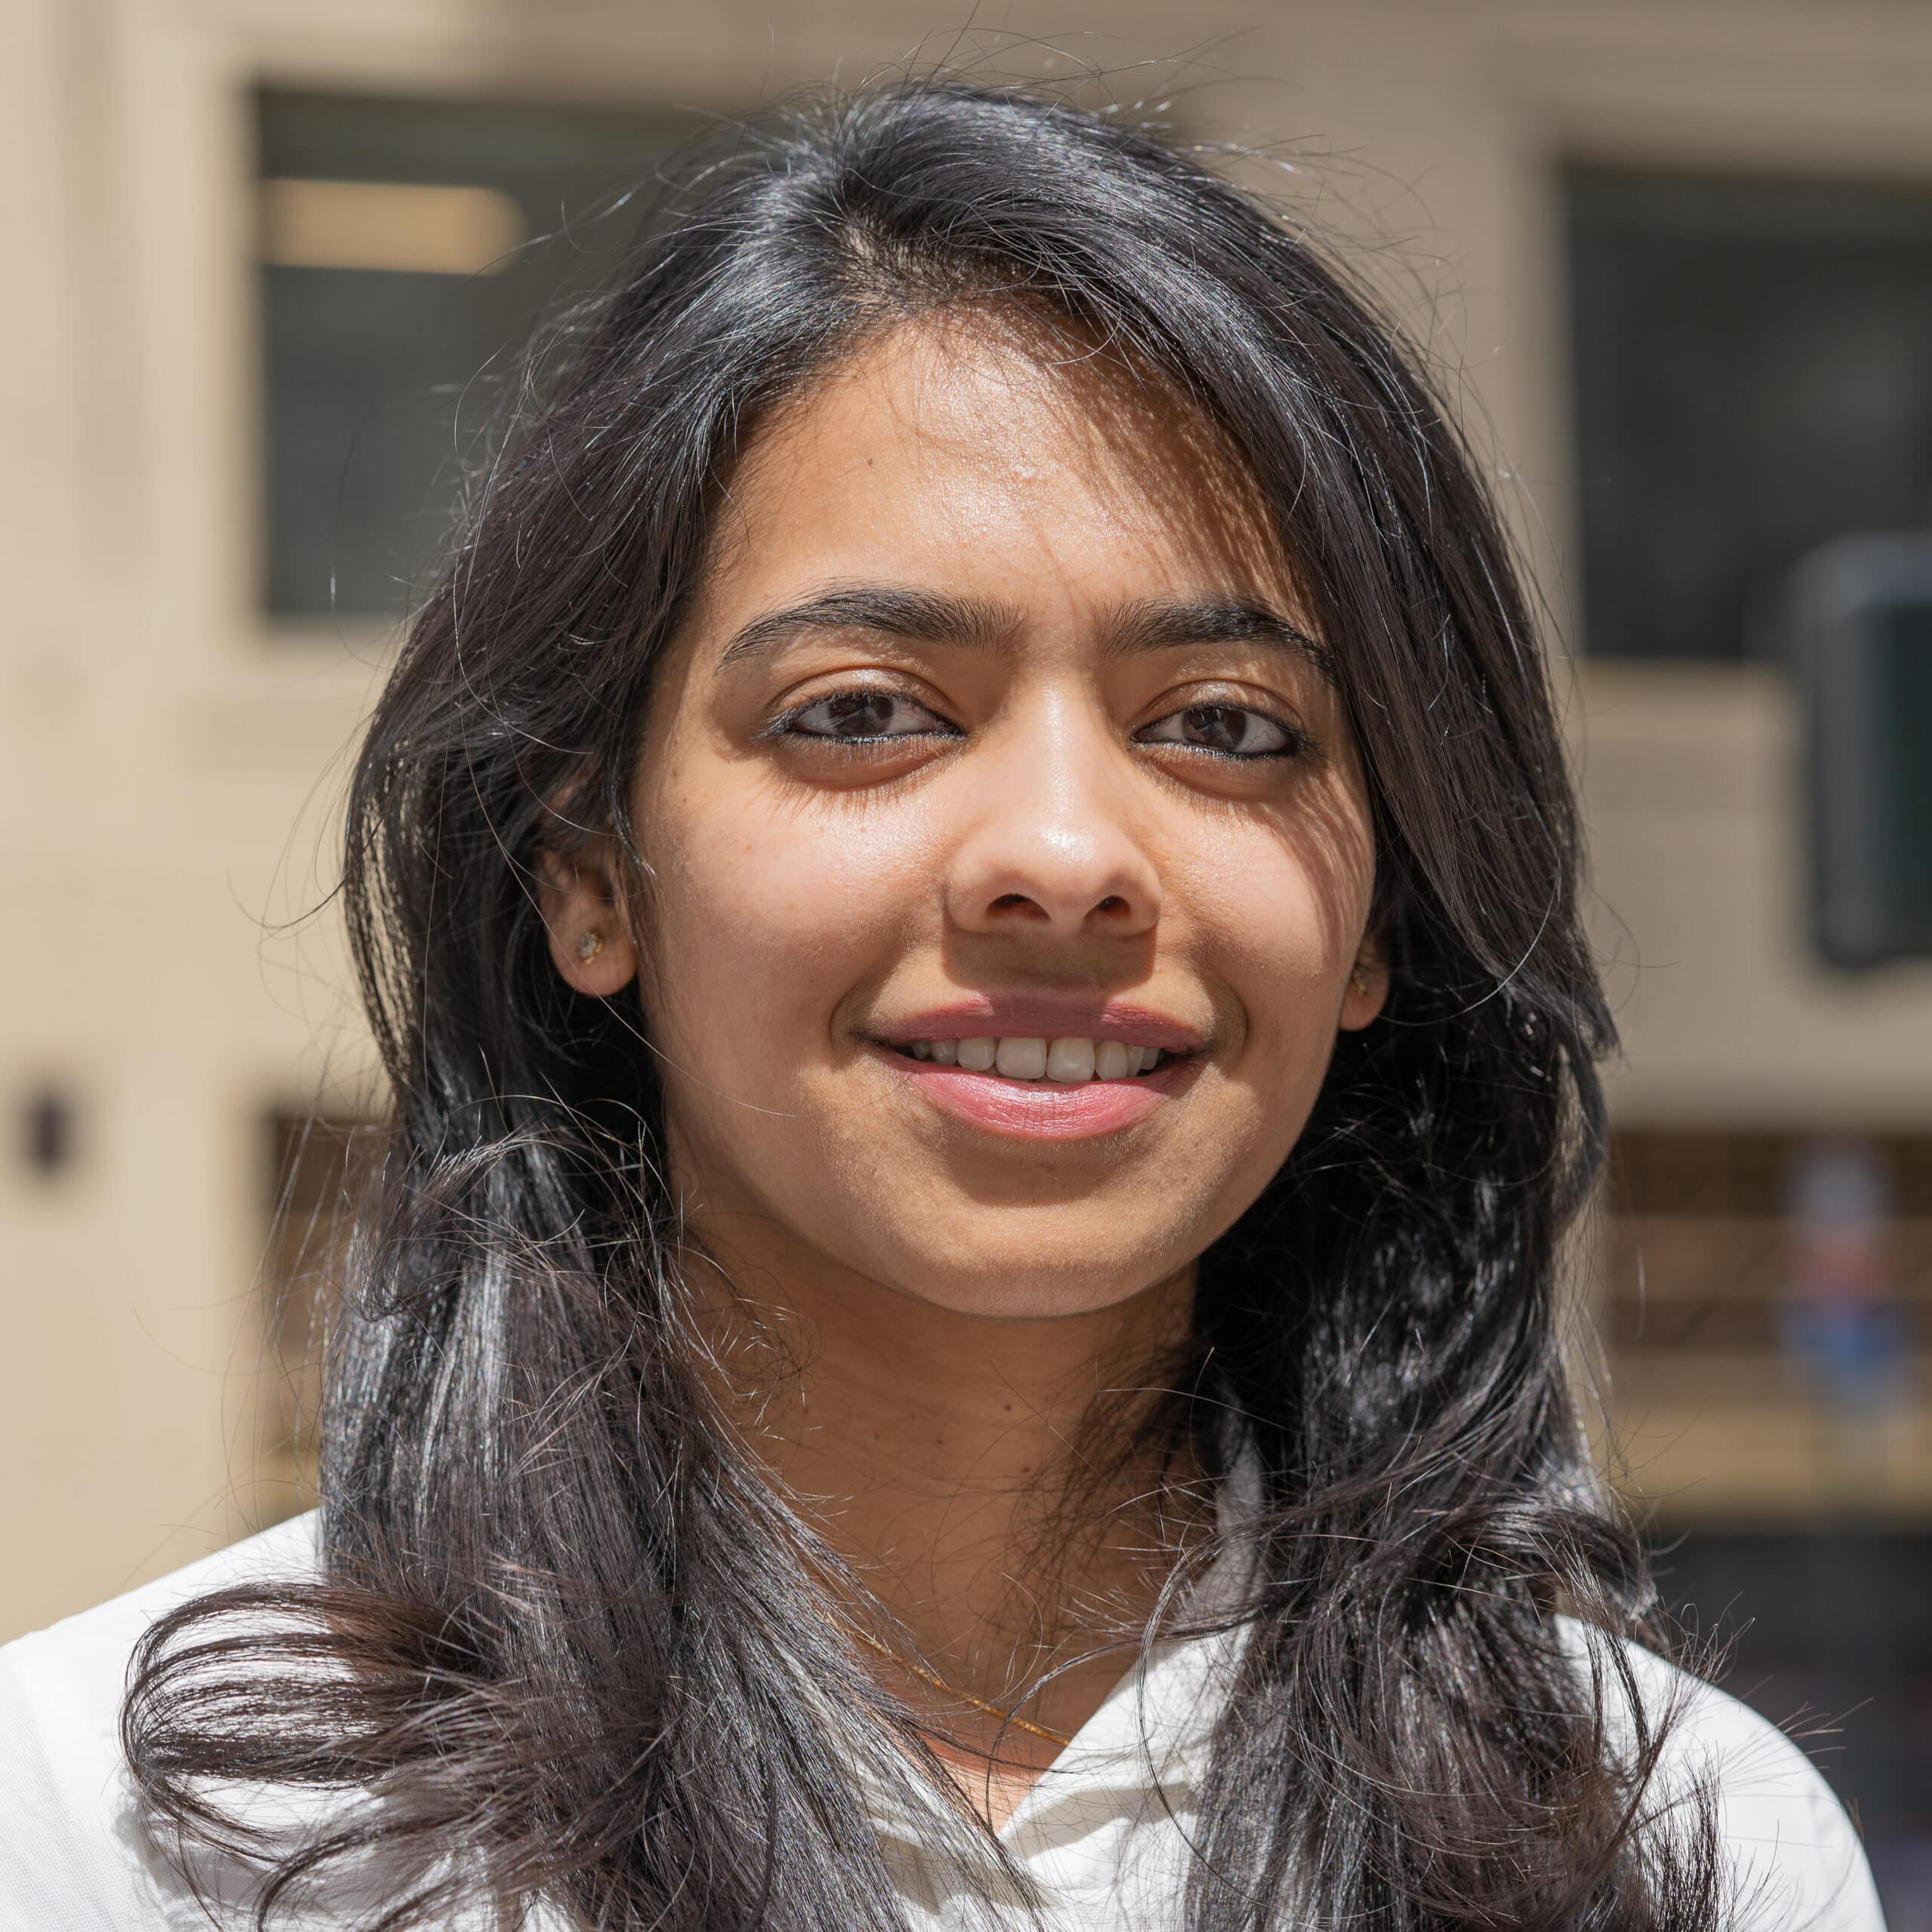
(1720, 1242)
(407, 248)
(1753, 372)
(318, 1170)
(1770, 1301)
(1828, 1628)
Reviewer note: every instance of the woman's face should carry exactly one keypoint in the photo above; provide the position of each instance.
(1010, 858)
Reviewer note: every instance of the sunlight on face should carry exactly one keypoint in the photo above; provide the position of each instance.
(1010, 849)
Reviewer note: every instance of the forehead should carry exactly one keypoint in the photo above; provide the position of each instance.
(981, 444)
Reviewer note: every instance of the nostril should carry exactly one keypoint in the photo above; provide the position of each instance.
(1014, 901)
(1113, 902)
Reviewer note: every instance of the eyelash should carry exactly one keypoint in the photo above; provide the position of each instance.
(1296, 743)
(785, 724)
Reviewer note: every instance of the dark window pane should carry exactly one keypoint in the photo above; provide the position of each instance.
(1753, 365)
(407, 248)
(1828, 1633)
(1860, 630)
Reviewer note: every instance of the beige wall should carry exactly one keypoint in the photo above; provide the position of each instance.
(171, 781)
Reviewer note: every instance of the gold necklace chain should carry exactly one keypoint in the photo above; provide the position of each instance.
(939, 1683)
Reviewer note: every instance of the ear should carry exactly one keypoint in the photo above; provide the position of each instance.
(1367, 989)
(591, 943)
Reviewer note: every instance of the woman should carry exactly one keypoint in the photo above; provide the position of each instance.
(968, 890)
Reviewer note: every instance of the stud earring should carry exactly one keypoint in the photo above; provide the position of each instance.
(590, 944)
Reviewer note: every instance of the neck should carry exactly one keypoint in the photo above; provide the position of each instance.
(943, 1456)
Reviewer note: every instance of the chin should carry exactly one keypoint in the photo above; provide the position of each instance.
(1027, 1284)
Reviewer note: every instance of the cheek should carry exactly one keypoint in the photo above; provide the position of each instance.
(767, 916)
(1281, 914)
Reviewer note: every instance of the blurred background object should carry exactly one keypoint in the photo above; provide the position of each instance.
(1858, 613)
(273, 263)
(408, 248)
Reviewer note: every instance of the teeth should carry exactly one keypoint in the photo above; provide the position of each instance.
(1069, 1061)
(1022, 1059)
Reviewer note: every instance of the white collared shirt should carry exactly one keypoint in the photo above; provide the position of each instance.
(1102, 1837)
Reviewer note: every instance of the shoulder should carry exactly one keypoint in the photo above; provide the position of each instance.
(69, 1857)
(1795, 1862)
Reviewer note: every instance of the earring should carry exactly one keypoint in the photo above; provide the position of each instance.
(590, 944)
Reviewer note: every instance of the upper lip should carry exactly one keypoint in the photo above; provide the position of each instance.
(1045, 1016)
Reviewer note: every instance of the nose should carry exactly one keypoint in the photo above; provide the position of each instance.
(1054, 843)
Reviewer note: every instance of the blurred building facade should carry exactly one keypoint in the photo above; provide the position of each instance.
(1673, 261)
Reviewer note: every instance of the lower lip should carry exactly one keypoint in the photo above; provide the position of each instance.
(1039, 1109)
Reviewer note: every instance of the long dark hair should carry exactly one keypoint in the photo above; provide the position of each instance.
(568, 1643)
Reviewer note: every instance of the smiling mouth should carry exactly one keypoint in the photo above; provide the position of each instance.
(1067, 1062)
(1028, 1086)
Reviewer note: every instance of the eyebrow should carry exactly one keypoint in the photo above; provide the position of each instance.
(925, 616)
(930, 616)
(1158, 624)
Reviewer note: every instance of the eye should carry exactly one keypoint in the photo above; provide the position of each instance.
(1228, 730)
(861, 717)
